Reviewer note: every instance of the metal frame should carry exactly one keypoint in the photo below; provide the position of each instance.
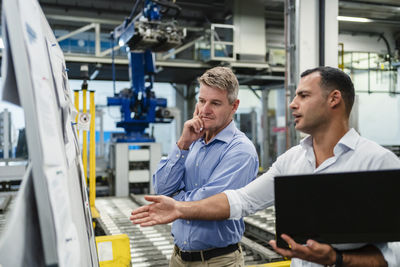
(217, 42)
(121, 165)
(6, 133)
(25, 88)
(292, 64)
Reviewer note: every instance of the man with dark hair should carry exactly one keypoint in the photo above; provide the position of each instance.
(332, 78)
(211, 156)
(321, 108)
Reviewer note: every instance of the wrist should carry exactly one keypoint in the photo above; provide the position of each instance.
(183, 145)
(337, 260)
(180, 207)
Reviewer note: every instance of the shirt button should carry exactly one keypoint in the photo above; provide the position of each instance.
(183, 156)
(177, 155)
(187, 222)
(184, 242)
(195, 184)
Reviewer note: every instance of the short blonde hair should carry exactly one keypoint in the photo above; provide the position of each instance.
(223, 79)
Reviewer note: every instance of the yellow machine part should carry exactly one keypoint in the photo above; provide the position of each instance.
(113, 250)
(273, 264)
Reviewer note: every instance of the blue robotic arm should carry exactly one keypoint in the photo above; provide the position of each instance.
(142, 36)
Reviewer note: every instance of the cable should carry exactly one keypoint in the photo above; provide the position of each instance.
(113, 63)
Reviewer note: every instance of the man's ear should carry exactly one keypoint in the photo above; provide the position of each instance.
(335, 98)
(235, 105)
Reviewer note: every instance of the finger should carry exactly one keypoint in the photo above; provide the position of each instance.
(140, 210)
(201, 124)
(318, 247)
(282, 251)
(295, 247)
(139, 216)
(196, 111)
(151, 223)
(155, 199)
(292, 244)
(313, 245)
(198, 126)
(143, 221)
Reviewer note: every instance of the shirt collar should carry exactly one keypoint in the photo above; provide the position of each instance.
(349, 140)
(226, 134)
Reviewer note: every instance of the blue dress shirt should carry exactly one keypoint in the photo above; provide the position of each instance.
(228, 161)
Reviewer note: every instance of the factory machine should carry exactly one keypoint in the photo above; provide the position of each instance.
(134, 155)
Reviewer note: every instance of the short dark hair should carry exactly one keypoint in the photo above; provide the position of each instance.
(333, 78)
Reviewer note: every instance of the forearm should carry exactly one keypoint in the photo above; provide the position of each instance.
(168, 181)
(168, 178)
(212, 208)
(364, 257)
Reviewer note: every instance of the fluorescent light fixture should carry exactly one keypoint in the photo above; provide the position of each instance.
(1, 43)
(353, 19)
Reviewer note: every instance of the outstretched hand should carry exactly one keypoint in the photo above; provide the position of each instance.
(313, 251)
(163, 210)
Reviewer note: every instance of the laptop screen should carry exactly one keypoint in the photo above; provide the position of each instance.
(334, 208)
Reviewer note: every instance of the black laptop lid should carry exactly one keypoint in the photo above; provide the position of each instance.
(352, 207)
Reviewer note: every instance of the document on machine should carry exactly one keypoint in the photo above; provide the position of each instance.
(49, 128)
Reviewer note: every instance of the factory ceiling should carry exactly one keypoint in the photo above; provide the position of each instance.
(196, 16)
(202, 12)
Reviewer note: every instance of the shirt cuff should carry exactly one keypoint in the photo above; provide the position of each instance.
(391, 253)
(234, 204)
(178, 155)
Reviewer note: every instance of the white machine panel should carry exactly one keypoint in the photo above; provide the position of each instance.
(139, 155)
(139, 176)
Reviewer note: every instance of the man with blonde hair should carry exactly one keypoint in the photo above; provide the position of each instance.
(211, 156)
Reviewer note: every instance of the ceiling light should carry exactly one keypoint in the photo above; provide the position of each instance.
(353, 19)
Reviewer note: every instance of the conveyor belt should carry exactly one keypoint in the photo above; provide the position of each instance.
(6, 204)
(261, 225)
(152, 246)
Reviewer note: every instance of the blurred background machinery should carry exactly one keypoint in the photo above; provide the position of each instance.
(134, 154)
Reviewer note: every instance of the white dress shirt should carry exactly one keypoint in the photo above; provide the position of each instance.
(351, 153)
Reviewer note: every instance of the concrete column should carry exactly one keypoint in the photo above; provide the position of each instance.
(180, 104)
(309, 31)
(190, 101)
(265, 156)
(249, 22)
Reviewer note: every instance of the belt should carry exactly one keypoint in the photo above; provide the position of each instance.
(205, 254)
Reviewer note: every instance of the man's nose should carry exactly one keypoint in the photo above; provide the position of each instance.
(293, 104)
(206, 108)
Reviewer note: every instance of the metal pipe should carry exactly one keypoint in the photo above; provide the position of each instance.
(80, 30)
(322, 32)
(92, 155)
(341, 65)
(6, 134)
(266, 130)
(97, 39)
(101, 138)
(84, 134)
(76, 102)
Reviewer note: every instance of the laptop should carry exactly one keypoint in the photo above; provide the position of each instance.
(334, 208)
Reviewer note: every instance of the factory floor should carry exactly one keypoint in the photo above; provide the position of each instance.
(152, 246)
